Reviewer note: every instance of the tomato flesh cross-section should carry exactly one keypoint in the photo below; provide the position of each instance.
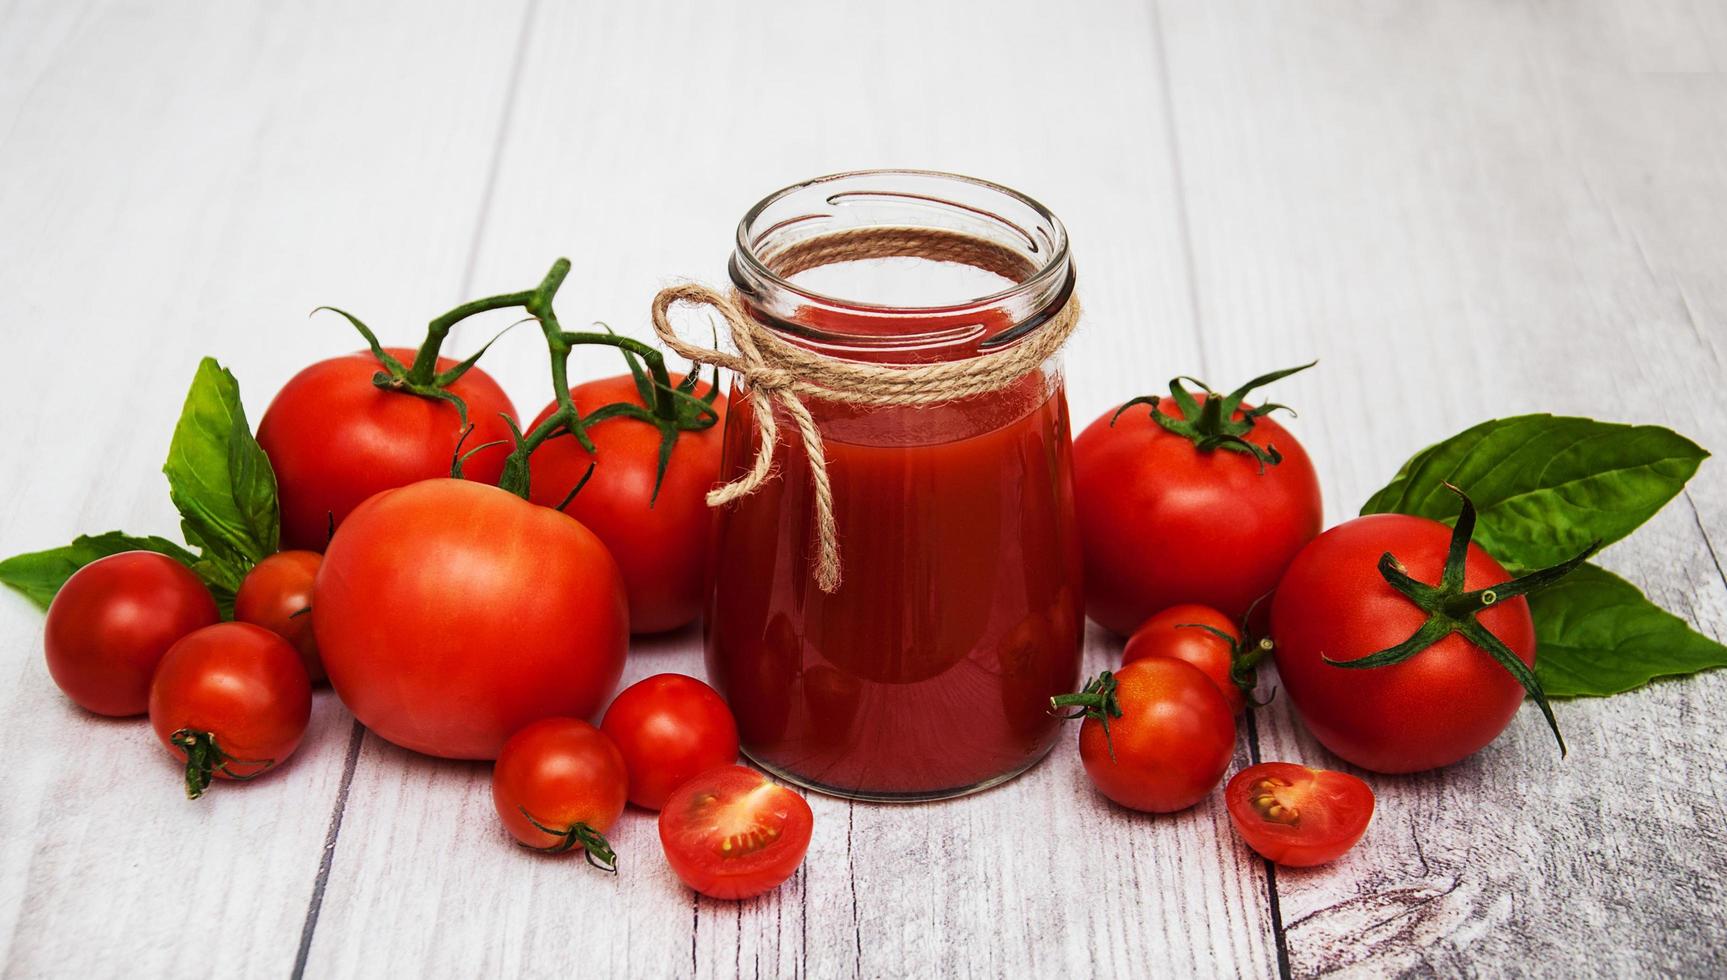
(1298, 816)
(731, 833)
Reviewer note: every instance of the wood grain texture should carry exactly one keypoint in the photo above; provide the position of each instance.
(1464, 209)
(174, 182)
(1039, 875)
(1481, 210)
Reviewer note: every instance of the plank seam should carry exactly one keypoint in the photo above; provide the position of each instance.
(356, 736)
(1178, 182)
(1697, 518)
(505, 119)
(1279, 935)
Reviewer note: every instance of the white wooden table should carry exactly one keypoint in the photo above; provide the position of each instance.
(1464, 209)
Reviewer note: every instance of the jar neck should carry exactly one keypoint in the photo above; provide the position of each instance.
(879, 224)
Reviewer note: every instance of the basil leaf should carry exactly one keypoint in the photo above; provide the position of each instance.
(220, 480)
(1545, 486)
(39, 574)
(1598, 635)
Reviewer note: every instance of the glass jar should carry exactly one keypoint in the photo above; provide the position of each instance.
(928, 672)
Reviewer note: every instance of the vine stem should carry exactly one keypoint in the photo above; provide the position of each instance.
(670, 408)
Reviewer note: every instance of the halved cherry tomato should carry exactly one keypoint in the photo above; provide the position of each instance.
(1203, 637)
(731, 833)
(277, 595)
(559, 784)
(669, 727)
(232, 701)
(1298, 816)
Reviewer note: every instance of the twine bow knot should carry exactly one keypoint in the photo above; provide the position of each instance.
(781, 374)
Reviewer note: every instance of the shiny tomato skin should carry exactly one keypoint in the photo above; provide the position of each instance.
(451, 613)
(277, 595)
(1296, 816)
(241, 683)
(563, 772)
(732, 833)
(1174, 633)
(662, 549)
(1162, 523)
(1433, 709)
(334, 439)
(112, 621)
(1172, 744)
(670, 728)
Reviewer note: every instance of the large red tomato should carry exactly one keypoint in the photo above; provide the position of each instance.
(1164, 521)
(334, 438)
(1432, 709)
(661, 543)
(450, 614)
(112, 621)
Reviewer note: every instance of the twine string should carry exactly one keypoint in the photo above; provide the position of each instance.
(778, 372)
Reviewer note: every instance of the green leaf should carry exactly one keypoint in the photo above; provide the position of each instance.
(1545, 486)
(39, 574)
(1598, 635)
(220, 479)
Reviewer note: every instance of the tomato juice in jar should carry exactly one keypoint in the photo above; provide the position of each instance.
(928, 672)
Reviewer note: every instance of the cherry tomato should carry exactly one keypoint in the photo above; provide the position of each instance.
(1164, 522)
(669, 727)
(334, 439)
(1185, 632)
(1431, 710)
(112, 621)
(1170, 734)
(231, 701)
(661, 543)
(559, 784)
(732, 833)
(450, 614)
(277, 595)
(1298, 816)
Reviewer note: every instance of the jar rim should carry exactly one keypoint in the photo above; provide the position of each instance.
(1050, 263)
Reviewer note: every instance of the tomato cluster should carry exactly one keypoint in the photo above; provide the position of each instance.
(468, 589)
(668, 743)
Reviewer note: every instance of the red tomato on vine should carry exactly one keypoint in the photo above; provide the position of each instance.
(349, 427)
(1202, 499)
(650, 509)
(335, 438)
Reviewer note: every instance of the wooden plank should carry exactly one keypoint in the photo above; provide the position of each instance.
(176, 181)
(724, 104)
(1480, 210)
